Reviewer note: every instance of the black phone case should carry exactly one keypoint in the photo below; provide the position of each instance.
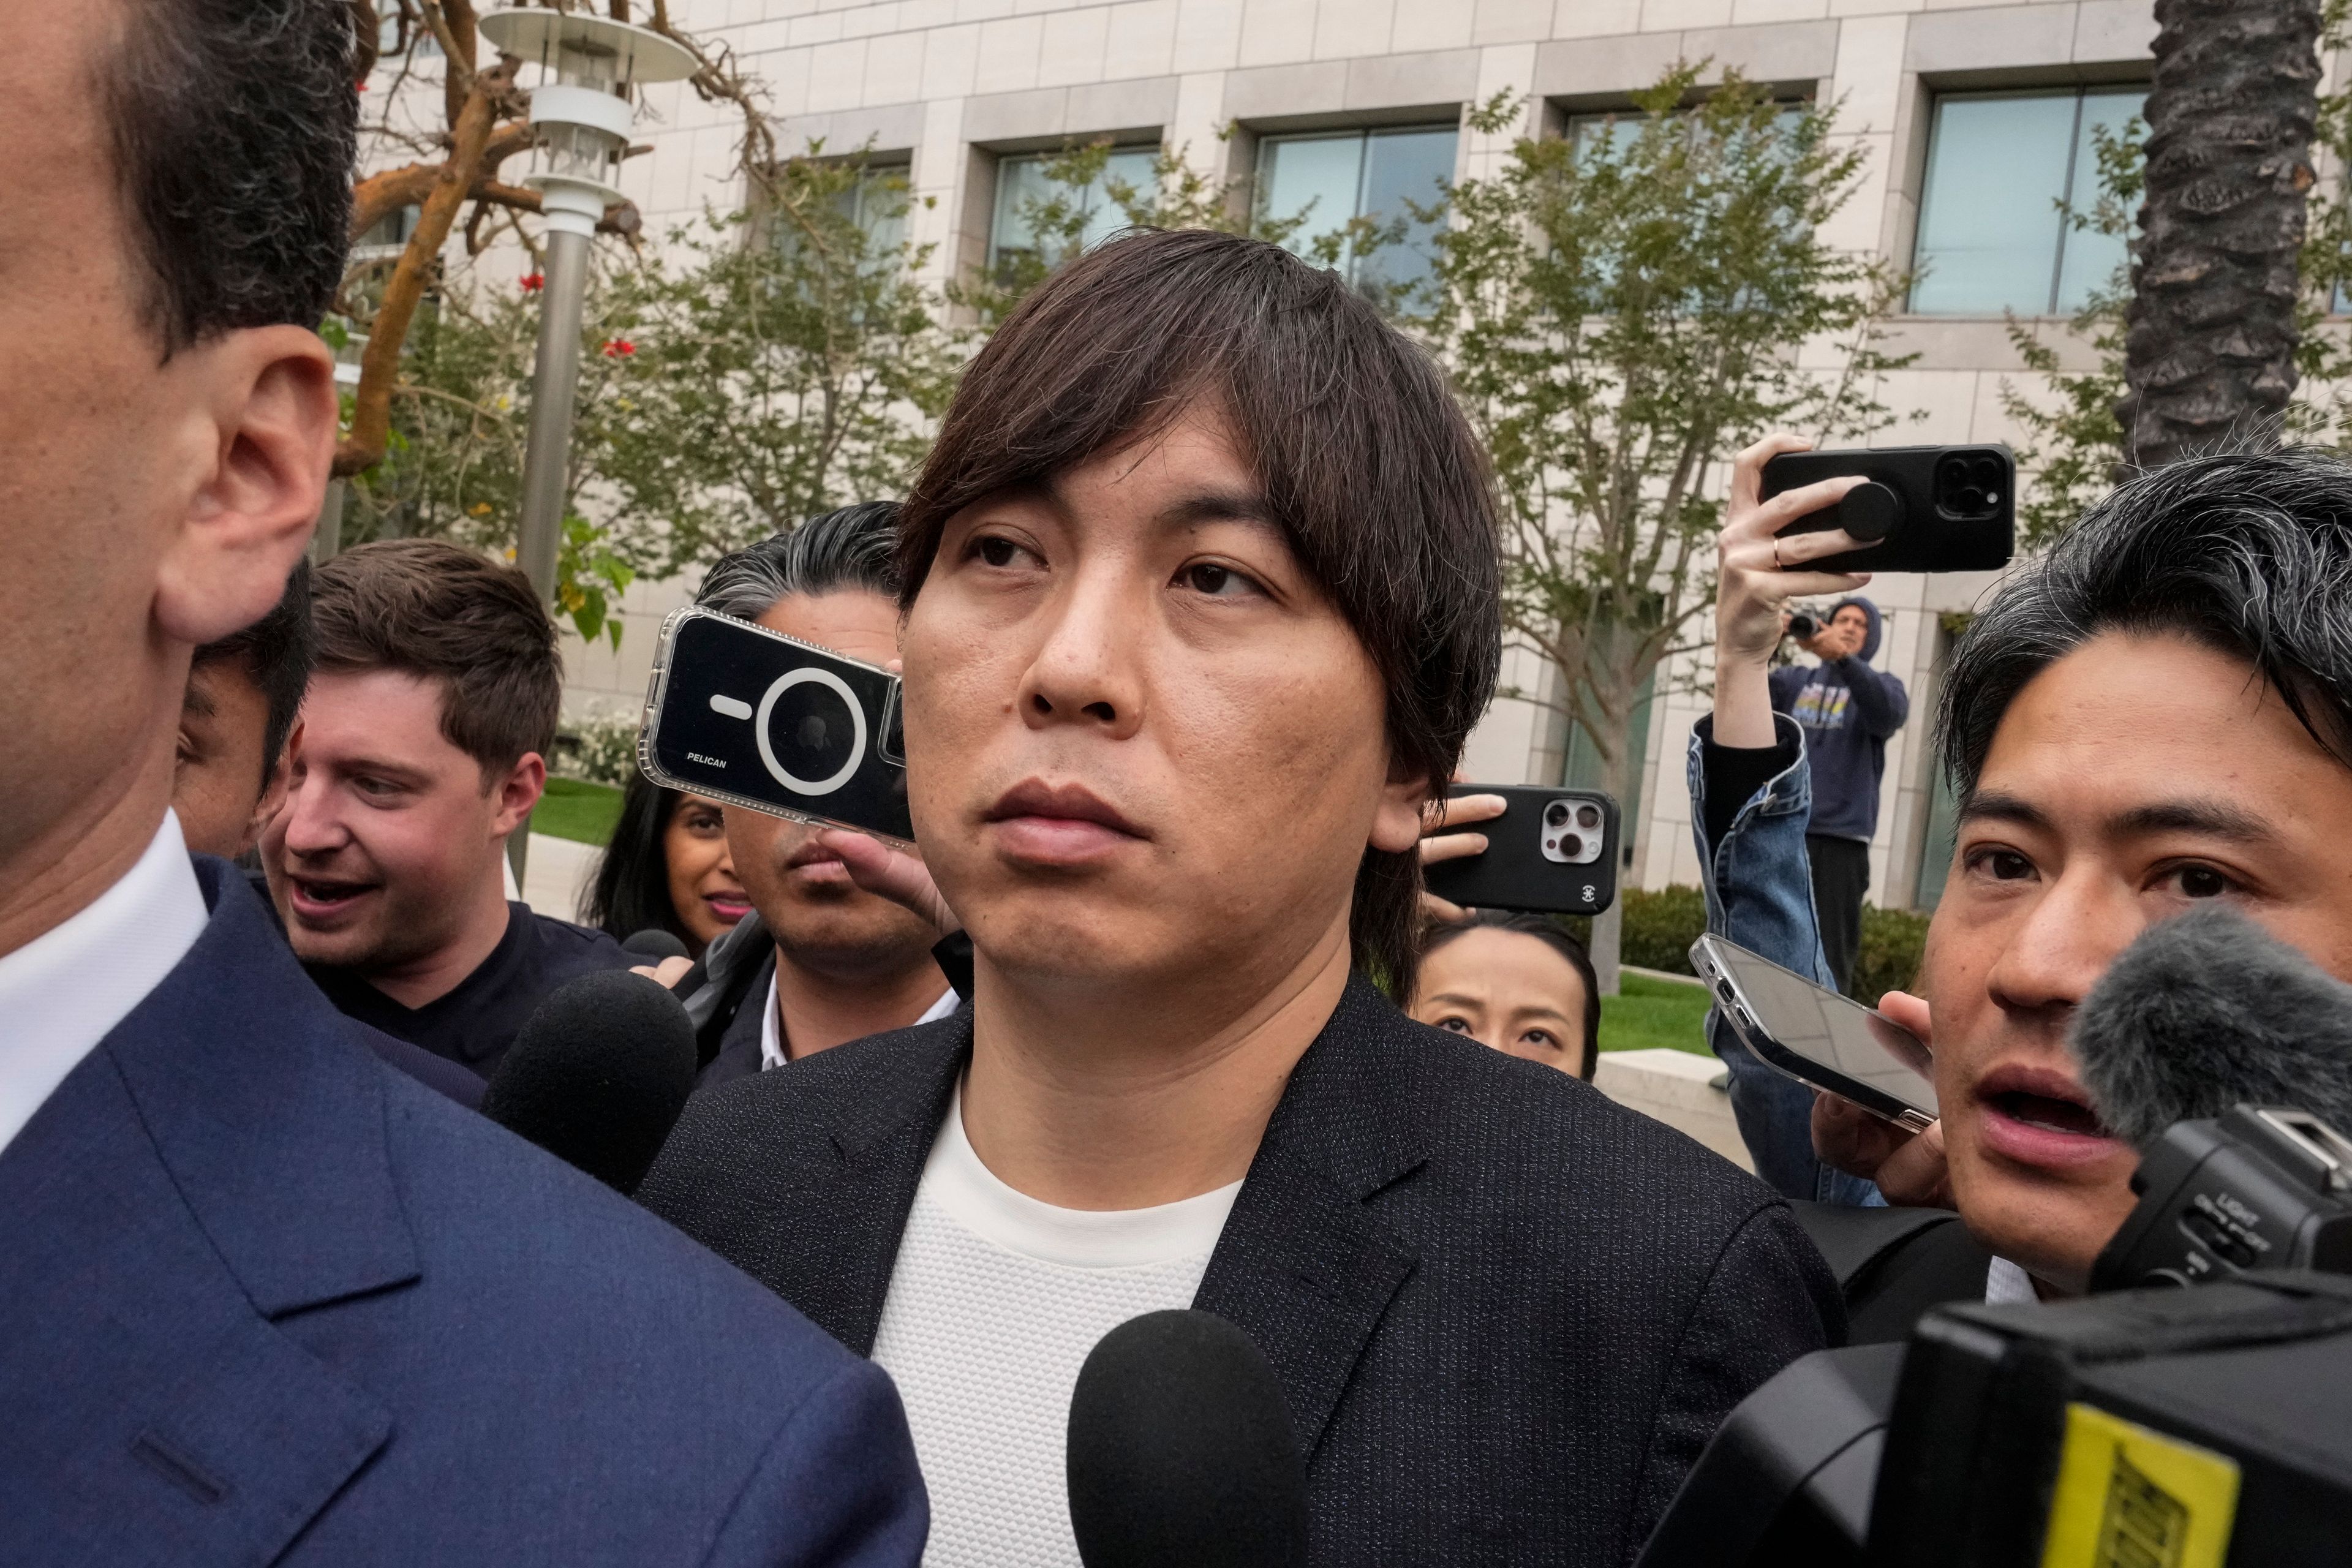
(1513, 873)
(1930, 535)
(717, 680)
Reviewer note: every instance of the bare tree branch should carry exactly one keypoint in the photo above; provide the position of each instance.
(380, 365)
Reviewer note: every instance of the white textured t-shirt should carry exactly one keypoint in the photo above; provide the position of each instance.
(993, 1304)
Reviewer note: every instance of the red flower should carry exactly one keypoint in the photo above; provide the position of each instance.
(619, 348)
(532, 282)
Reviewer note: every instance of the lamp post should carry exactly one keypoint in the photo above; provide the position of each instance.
(583, 113)
(582, 110)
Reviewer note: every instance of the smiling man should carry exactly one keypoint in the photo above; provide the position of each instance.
(423, 746)
(1200, 597)
(2156, 712)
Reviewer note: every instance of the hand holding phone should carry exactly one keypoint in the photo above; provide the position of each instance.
(1919, 509)
(752, 718)
(1550, 851)
(1821, 1040)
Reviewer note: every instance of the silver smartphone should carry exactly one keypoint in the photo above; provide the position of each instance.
(1819, 1039)
(754, 718)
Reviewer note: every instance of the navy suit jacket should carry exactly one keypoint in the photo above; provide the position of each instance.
(1507, 1313)
(267, 1301)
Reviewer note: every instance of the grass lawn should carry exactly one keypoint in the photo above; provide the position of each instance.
(584, 812)
(1649, 1011)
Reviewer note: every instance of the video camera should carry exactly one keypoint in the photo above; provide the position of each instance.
(2145, 1425)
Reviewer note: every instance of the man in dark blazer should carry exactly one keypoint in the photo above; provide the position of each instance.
(266, 1299)
(1201, 602)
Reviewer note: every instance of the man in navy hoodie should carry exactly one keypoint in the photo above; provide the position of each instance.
(1847, 710)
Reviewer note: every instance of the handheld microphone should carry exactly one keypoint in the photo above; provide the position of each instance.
(2206, 1011)
(598, 1075)
(653, 944)
(1181, 1452)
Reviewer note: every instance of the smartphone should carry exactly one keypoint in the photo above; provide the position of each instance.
(1930, 508)
(1817, 1036)
(1553, 850)
(754, 718)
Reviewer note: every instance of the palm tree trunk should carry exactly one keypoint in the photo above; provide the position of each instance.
(2209, 352)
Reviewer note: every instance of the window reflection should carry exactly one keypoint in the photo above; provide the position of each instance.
(1991, 238)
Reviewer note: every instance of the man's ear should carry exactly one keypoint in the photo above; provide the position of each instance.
(518, 791)
(265, 415)
(1396, 825)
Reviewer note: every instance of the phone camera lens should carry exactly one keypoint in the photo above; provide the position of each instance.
(812, 731)
(1556, 814)
(1571, 846)
(1588, 817)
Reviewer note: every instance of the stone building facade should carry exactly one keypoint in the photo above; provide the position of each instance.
(1974, 119)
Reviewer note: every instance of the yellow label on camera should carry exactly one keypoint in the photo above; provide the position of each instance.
(2130, 1498)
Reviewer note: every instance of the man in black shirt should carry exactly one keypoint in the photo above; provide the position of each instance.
(423, 747)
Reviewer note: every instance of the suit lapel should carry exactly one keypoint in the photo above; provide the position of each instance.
(862, 1187)
(219, 1161)
(1305, 1266)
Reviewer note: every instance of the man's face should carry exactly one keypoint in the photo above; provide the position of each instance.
(1142, 744)
(2129, 778)
(95, 443)
(1849, 628)
(222, 788)
(390, 834)
(813, 910)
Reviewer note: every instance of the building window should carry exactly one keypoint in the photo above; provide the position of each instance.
(877, 205)
(1991, 238)
(1023, 189)
(387, 236)
(1326, 181)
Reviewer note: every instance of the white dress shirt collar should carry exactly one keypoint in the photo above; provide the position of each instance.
(63, 991)
(771, 1029)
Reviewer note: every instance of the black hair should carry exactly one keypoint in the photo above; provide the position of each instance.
(277, 652)
(236, 126)
(1437, 933)
(630, 892)
(854, 547)
(2248, 554)
(1358, 449)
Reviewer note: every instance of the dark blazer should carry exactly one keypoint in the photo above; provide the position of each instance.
(269, 1300)
(1507, 1313)
(1893, 1264)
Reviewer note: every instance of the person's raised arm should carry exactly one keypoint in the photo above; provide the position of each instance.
(1760, 569)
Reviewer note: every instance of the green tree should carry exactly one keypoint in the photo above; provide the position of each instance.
(767, 365)
(1082, 197)
(1621, 314)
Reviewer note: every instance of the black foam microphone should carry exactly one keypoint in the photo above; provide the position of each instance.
(653, 945)
(2206, 1011)
(1182, 1453)
(598, 1075)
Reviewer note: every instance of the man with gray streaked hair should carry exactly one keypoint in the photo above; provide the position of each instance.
(820, 961)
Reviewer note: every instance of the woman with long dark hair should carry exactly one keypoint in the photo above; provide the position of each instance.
(666, 869)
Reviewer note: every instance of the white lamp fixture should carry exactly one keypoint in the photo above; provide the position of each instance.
(582, 106)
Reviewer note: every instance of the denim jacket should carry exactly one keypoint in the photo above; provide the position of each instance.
(1759, 894)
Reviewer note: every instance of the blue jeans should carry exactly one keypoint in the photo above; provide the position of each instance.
(1759, 894)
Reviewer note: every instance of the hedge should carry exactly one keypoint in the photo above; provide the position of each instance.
(1661, 926)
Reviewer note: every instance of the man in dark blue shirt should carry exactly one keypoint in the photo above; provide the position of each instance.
(1847, 710)
(422, 747)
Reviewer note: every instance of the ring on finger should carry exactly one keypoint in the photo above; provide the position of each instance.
(1778, 564)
